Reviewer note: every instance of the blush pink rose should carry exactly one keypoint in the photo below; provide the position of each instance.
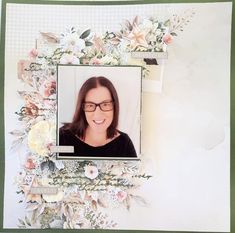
(95, 61)
(48, 88)
(121, 195)
(33, 53)
(167, 39)
(30, 164)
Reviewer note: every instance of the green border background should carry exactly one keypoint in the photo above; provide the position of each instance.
(115, 2)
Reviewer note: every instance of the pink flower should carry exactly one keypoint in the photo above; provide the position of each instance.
(69, 59)
(167, 39)
(91, 172)
(95, 61)
(29, 164)
(33, 53)
(48, 88)
(121, 195)
(137, 38)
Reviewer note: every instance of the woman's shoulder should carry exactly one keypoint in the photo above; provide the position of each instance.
(127, 145)
(123, 136)
(64, 130)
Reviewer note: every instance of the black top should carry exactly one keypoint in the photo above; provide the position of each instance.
(121, 146)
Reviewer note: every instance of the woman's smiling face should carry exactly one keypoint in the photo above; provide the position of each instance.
(98, 120)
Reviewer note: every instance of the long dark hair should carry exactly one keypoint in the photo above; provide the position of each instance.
(79, 124)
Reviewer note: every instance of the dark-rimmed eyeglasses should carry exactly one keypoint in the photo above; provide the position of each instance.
(104, 106)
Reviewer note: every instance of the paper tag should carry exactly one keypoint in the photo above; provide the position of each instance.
(156, 55)
(62, 149)
(44, 190)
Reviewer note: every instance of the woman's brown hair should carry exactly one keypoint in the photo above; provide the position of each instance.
(79, 123)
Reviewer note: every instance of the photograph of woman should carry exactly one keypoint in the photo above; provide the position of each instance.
(94, 128)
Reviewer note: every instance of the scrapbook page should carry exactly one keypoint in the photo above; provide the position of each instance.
(116, 115)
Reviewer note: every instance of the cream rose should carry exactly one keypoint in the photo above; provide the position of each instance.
(41, 136)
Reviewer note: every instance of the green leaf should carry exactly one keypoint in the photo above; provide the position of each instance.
(27, 221)
(21, 222)
(88, 43)
(85, 34)
(43, 165)
(140, 200)
(167, 23)
(173, 34)
(51, 166)
(18, 192)
(17, 133)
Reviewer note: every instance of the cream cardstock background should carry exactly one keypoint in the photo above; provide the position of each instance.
(186, 128)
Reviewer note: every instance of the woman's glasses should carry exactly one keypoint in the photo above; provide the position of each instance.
(105, 106)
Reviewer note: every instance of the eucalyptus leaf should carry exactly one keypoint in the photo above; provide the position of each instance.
(167, 23)
(140, 200)
(27, 221)
(17, 143)
(17, 133)
(88, 43)
(51, 166)
(40, 210)
(18, 192)
(32, 206)
(21, 222)
(173, 34)
(21, 118)
(85, 34)
(43, 165)
(21, 93)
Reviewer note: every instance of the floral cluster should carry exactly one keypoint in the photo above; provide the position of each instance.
(84, 189)
(148, 35)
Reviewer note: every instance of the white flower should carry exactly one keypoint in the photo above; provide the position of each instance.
(151, 37)
(46, 51)
(72, 42)
(158, 32)
(56, 224)
(123, 45)
(53, 197)
(91, 172)
(146, 25)
(41, 136)
(69, 59)
(59, 164)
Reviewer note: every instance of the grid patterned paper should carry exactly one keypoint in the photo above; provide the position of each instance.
(24, 22)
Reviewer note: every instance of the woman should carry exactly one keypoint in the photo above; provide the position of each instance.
(93, 131)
